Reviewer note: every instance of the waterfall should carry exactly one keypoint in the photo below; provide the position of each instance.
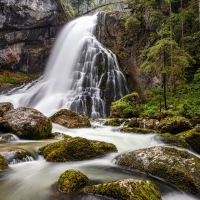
(80, 75)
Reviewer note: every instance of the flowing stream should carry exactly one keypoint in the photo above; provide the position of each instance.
(37, 179)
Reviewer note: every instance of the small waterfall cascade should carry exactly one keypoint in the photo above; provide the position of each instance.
(80, 75)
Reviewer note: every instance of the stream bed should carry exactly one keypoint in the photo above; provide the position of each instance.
(37, 179)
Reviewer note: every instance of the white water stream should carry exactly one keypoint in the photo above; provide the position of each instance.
(36, 179)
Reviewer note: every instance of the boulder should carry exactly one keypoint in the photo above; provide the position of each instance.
(126, 189)
(26, 123)
(197, 127)
(174, 125)
(5, 107)
(3, 163)
(71, 181)
(188, 139)
(178, 167)
(70, 119)
(16, 156)
(76, 149)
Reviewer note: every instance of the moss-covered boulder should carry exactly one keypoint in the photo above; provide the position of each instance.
(174, 125)
(188, 139)
(5, 107)
(114, 122)
(178, 167)
(16, 156)
(126, 107)
(3, 164)
(8, 137)
(26, 123)
(71, 181)
(126, 189)
(70, 119)
(75, 149)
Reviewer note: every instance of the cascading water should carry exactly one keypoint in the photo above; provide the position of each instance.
(81, 75)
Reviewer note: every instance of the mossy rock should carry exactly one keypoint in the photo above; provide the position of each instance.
(16, 156)
(125, 107)
(138, 130)
(8, 137)
(26, 123)
(174, 125)
(126, 189)
(60, 136)
(114, 122)
(178, 167)
(188, 139)
(5, 107)
(70, 119)
(3, 163)
(76, 149)
(71, 181)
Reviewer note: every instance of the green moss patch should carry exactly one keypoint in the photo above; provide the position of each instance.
(71, 180)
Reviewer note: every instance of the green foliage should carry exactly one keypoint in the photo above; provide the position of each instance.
(132, 24)
(197, 75)
(7, 76)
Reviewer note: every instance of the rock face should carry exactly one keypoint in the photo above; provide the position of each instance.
(76, 149)
(70, 119)
(27, 30)
(26, 123)
(3, 163)
(178, 167)
(71, 180)
(127, 45)
(126, 189)
(5, 107)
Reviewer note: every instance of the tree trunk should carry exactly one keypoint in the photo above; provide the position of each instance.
(199, 13)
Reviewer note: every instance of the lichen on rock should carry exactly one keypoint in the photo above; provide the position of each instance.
(71, 181)
(126, 189)
(178, 167)
(76, 149)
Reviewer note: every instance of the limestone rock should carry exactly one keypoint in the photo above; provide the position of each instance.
(27, 32)
(126, 189)
(26, 123)
(178, 167)
(76, 149)
(71, 180)
(70, 119)
(5, 107)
